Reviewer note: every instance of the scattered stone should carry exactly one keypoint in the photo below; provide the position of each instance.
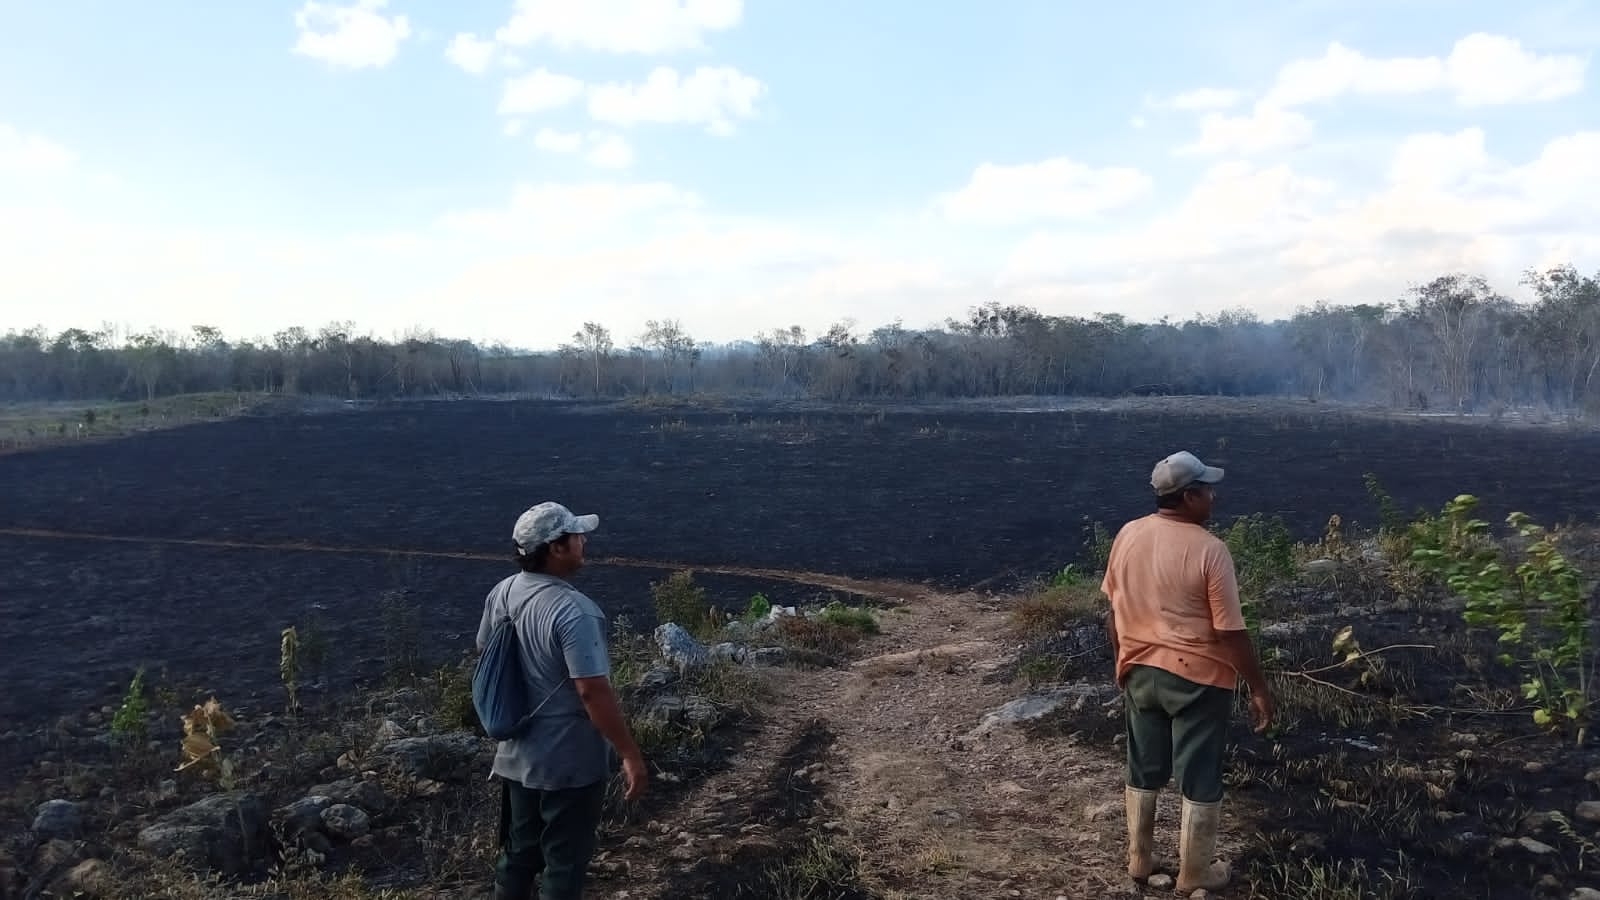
(58, 819)
(389, 732)
(658, 677)
(1037, 705)
(346, 822)
(1464, 739)
(1589, 811)
(1533, 767)
(1159, 882)
(439, 757)
(57, 854)
(368, 795)
(728, 652)
(767, 656)
(1278, 631)
(90, 878)
(304, 815)
(224, 832)
(679, 648)
(1585, 893)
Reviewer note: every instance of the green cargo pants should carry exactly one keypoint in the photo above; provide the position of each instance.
(1174, 723)
(546, 841)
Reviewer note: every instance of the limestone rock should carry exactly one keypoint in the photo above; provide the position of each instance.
(58, 819)
(346, 822)
(224, 832)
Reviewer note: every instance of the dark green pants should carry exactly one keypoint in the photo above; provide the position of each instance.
(1174, 723)
(546, 841)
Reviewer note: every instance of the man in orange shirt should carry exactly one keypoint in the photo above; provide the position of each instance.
(1181, 647)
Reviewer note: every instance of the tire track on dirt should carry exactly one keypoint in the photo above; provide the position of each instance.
(878, 589)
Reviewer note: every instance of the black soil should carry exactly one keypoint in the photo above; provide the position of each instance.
(960, 499)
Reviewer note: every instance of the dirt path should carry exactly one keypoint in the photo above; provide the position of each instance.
(884, 756)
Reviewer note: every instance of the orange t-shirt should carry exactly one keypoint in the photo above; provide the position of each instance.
(1172, 587)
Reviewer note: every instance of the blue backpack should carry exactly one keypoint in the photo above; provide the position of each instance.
(499, 686)
(499, 690)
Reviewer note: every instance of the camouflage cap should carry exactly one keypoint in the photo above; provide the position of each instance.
(1180, 470)
(544, 523)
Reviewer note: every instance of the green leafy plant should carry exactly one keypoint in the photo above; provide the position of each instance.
(758, 609)
(1538, 605)
(1263, 556)
(129, 727)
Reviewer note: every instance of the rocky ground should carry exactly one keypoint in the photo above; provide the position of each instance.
(926, 756)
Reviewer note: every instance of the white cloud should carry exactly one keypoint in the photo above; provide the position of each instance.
(566, 212)
(357, 36)
(512, 128)
(1481, 69)
(712, 96)
(1271, 238)
(1058, 188)
(30, 154)
(1265, 129)
(600, 149)
(609, 151)
(1433, 161)
(552, 141)
(538, 91)
(1488, 70)
(649, 27)
(471, 53)
(1202, 99)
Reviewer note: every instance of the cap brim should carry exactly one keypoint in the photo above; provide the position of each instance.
(1211, 475)
(584, 524)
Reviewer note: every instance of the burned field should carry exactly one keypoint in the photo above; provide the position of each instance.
(1415, 770)
(400, 515)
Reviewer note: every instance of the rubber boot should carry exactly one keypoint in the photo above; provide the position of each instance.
(1141, 831)
(1197, 848)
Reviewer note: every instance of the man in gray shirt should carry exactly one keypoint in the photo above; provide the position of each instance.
(553, 774)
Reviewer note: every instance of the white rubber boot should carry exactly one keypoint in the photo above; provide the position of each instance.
(1197, 848)
(1141, 831)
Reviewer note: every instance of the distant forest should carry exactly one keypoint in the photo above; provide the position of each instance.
(1450, 344)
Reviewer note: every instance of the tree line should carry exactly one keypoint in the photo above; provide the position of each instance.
(1452, 343)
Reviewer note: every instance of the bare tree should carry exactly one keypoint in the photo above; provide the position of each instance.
(594, 340)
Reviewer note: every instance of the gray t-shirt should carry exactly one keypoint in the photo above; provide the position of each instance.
(561, 637)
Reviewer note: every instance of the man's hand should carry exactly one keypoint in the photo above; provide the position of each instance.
(1262, 709)
(636, 777)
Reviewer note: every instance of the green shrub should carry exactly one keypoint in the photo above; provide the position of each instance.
(130, 726)
(678, 599)
(854, 617)
(1538, 604)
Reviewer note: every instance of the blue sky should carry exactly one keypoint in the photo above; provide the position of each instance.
(508, 170)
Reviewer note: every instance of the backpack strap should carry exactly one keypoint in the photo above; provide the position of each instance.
(507, 618)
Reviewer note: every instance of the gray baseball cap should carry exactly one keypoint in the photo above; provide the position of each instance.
(546, 522)
(1180, 470)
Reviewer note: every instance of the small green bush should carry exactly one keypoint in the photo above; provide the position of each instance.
(130, 725)
(678, 599)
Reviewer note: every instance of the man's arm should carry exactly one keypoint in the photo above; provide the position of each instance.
(1241, 654)
(589, 665)
(1233, 637)
(600, 701)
